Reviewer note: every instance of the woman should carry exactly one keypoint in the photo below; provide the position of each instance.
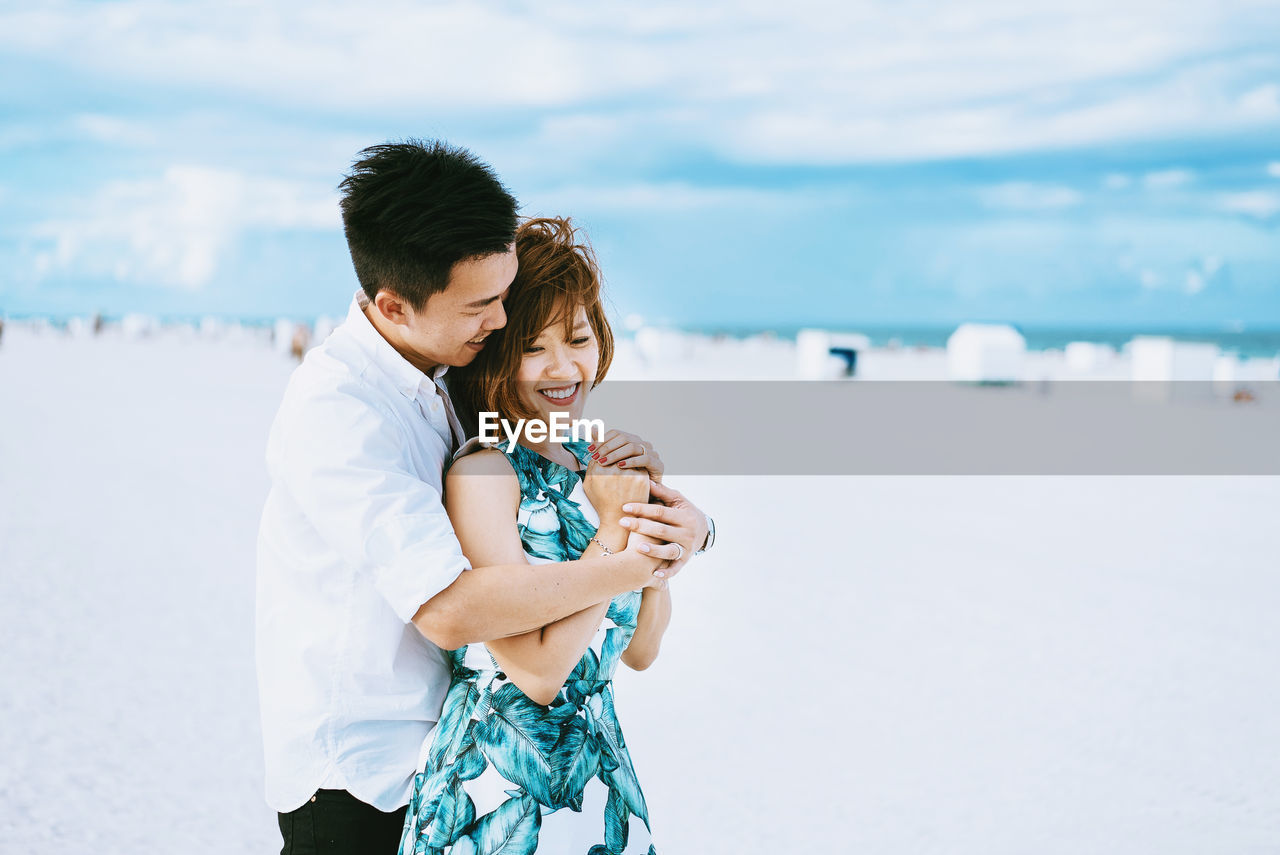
(528, 755)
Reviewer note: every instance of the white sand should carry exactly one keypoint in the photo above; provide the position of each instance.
(952, 665)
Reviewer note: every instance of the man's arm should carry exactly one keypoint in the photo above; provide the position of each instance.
(504, 595)
(485, 603)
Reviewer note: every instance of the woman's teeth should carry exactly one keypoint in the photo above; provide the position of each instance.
(561, 392)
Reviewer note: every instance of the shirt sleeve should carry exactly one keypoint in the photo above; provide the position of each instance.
(345, 462)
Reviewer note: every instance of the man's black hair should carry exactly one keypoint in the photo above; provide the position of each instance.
(414, 209)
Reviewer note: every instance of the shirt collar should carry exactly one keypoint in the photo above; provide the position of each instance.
(408, 379)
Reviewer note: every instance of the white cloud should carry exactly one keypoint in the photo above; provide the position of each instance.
(1167, 179)
(112, 129)
(1262, 204)
(1116, 181)
(805, 81)
(1150, 279)
(1263, 102)
(1200, 275)
(174, 230)
(1195, 282)
(673, 196)
(1026, 196)
(1273, 169)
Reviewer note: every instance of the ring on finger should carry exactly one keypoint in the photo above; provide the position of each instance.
(681, 555)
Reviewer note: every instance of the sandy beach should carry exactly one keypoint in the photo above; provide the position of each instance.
(862, 664)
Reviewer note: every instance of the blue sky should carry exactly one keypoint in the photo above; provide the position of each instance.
(736, 165)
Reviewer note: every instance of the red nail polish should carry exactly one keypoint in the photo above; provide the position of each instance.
(604, 460)
(622, 463)
(591, 448)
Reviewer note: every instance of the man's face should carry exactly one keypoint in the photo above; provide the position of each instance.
(451, 328)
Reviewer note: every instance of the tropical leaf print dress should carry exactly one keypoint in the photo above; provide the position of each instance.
(503, 775)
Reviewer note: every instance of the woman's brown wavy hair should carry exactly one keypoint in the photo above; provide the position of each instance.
(558, 272)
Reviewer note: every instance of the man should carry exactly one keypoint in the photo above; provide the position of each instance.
(361, 582)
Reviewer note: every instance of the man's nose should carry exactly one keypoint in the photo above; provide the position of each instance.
(499, 317)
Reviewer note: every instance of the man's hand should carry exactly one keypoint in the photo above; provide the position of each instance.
(676, 520)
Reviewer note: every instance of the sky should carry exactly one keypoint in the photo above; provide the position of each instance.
(741, 165)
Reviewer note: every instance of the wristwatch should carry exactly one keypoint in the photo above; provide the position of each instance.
(711, 535)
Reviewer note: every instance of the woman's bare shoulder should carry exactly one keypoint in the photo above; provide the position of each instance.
(485, 461)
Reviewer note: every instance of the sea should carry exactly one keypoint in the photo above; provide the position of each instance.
(1238, 339)
(1244, 342)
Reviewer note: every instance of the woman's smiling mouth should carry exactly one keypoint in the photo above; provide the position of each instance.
(560, 395)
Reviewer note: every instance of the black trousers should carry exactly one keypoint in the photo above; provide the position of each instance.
(334, 822)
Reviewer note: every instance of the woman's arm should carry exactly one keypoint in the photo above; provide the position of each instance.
(540, 661)
(482, 497)
(651, 624)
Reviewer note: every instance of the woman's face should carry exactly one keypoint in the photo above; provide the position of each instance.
(557, 369)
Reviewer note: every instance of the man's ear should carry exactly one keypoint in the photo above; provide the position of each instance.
(392, 307)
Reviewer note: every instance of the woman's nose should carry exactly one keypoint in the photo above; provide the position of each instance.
(558, 363)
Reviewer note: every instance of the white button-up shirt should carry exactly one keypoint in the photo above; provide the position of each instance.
(354, 539)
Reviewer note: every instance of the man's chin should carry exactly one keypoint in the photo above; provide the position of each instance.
(463, 357)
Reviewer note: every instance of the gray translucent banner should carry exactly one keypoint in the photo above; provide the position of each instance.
(942, 428)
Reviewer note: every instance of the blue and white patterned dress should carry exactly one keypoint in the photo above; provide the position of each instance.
(503, 774)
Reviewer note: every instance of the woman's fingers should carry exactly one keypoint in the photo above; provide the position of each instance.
(618, 445)
(626, 451)
(640, 461)
(613, 440)
(613, 453)
(612, 444)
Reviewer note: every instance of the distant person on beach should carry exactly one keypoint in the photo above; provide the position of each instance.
(362, 583)
(545, 695)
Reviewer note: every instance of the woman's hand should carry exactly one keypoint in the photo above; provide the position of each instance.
(627, 451)
(609, 488)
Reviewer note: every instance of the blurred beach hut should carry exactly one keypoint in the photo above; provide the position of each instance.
(1088, 358)
(824, 355)
(212, 327)
(137, 325)
(1231, 373)
(80, 327)
(1156, 363)
(323, 326)
(656, 345)
(283, 333)
(1161, 359)
(986, 353)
